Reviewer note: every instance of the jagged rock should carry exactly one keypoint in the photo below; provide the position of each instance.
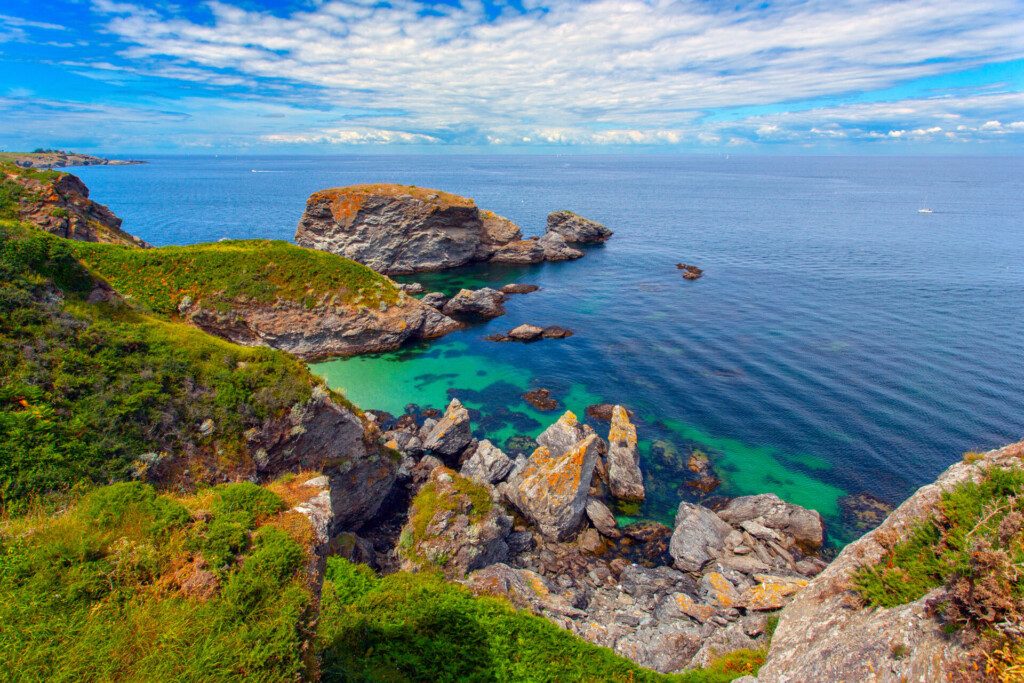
(407, 443)
(551, 490)
(624, 477)
(698, 537)
(690, 272)
(516, 288)
(475, 304)
(434, 300)
(603, 519)
(540, 399)
(454, 525)
(576, 229)
(664, 647)
(823, 635)
(770, 593)
(488, 464)
(555, 248)
(563, 434)
(803, 525)
(523, 588)
(451, 434)
(602, 412)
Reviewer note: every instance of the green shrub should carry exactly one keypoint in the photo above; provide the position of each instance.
(129, 500)
(245, 498)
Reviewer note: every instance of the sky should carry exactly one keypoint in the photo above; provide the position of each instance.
(342, 76)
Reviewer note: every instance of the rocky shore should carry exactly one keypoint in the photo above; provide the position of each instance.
(398, 229)
(61, 159)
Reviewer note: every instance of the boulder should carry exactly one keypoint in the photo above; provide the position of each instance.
(482, 303)
(563, 434)
(451, 434)
(624, 478)
(554, 248)
(603, 519)
(526, 333)
(699, 537)
(574, 228)
(488, 464)
(804, 526)
(454, 525)
(516, 288)
(411, 287)
(434, 300)
(690, 272)
(540, 399)
(551, 490)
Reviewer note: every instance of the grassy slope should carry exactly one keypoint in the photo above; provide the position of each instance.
(95, 593)
(974, 546)
(86, 388)
(417, 627)
(223, 273)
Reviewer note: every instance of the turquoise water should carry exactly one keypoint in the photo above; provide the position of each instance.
(839, 342)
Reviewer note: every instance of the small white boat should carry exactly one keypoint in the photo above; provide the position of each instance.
(925, 211)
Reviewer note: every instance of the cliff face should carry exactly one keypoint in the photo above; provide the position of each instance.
(59, 204)
(825, 634)
(398, 229)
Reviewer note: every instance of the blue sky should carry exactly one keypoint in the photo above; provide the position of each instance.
(255, 76)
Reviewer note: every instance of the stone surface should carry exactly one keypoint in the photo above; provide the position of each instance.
(526, 332)
(574, 228)
(551, 490)
(434, 300)
(488, 464)
(624, 477)
(698, 536)
(555, 248)
(454, 526)
(560, 436)
(471, 304)
(767, 509)
(451, 434)
(517, 288)
(602, 518)
(824, 635)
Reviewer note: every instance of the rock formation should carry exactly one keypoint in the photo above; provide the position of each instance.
(407, 229)
(624, 477)
(451, 434)
(488, 464)
(475, 304)
(574, 228)
(59, 204)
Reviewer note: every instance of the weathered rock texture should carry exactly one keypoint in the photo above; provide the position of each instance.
(451, 435)
(574, 228)
(327, 329)
(823, 635)
(551, 490)
(475, 304)
(454, 526)
(624, 477)
(61, 206)
(488, 464)
(406, 229)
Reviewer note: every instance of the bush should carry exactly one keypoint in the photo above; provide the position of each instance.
(113, 505)
(247, 499)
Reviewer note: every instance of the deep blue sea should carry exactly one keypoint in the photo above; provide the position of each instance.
(840, 342)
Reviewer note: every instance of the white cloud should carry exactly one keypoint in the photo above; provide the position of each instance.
(345, 136)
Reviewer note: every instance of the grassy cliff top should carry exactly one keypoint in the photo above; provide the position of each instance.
(424, 194)
(127, 584)
(221, 274)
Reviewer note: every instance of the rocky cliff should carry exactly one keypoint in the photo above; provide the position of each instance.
(406, 229)
(59, 204)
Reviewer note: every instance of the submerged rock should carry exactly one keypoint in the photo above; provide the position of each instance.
(540, 399)
(624, 477)
(516, 288)
(690, 272)
(603, 411)
(575, 228)
(454, 525)
(863, 511)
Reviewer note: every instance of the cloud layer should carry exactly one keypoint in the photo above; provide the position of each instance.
(622, 72)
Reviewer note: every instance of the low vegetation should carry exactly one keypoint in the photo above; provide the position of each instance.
(417, 627)
(222, 274)
(131, 585)
(87, 388)
(974, 547)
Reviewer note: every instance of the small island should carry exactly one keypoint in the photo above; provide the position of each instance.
(57, 158)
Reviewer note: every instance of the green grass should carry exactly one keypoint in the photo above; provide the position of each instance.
(417, 627)
(94, 594)
(220, 275)
(983, 517)
(87, 388)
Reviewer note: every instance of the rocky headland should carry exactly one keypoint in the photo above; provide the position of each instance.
(61, 159)
(398, 229)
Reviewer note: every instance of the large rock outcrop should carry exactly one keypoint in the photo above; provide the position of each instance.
(406, 229)
(824, 633)
(574, 228)
(624, 478)
(551, 489)
(324, 330)
(59, 204)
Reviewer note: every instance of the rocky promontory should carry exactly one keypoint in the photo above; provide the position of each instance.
(59, 204)
(55, 158)
(398, 229)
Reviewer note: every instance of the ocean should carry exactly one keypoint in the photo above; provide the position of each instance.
(840, 342)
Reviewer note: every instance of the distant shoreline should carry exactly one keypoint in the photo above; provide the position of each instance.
(58, 159)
